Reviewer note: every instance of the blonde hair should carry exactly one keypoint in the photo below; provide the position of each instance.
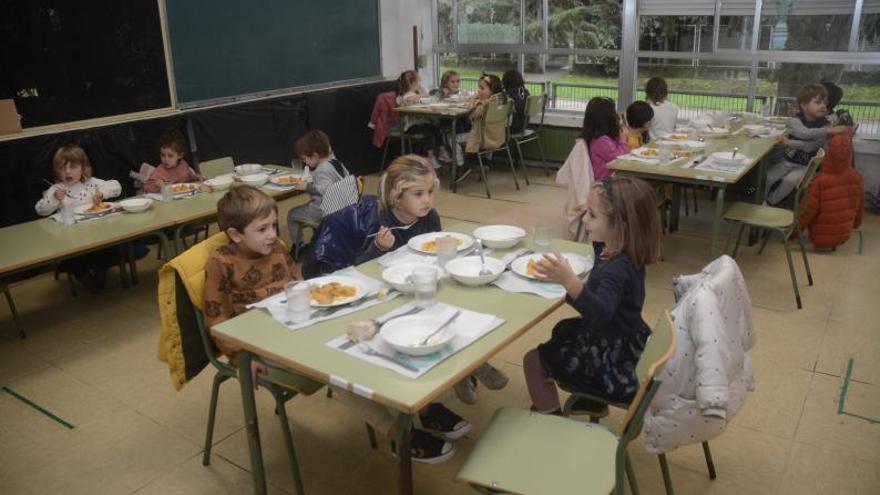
(71, 153)
(634, 223)
(403, 173)
(241, 206)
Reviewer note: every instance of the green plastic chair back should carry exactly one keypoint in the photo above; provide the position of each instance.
(214, 168)
(535, 106)
(496, 113)
(806, 180)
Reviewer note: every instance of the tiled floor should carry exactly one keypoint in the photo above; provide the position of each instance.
(91, 361)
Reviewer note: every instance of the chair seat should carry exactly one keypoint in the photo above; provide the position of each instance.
(306, 223)
(524, 134)
(519, 444)
(760, 215)
(287, 379)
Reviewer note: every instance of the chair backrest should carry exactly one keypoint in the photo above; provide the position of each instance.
(496, 113)
(360, 186)
(220, 166)
(659, 348)
(806, 180)
(536, 105)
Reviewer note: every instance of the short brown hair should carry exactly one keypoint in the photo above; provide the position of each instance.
(314, 142)
(631, 206)
(512, 79)
(241, 206)
(656, 90)
(173, 139)
(444, 79)
(810, 92)
(402, 174)
(71, 153)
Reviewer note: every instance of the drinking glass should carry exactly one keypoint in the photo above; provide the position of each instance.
(542, 237)
(67, 213)
(425, 285)
(167, 191)
(298, 307)
(664, 155)
(447, 250)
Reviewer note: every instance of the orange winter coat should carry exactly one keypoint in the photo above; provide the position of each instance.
(833, 206)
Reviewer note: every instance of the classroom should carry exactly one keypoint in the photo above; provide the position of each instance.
(440, 247)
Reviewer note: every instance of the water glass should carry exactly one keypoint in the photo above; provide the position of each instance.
(447, 250)
(664, 156)
(542, 237)
(298, 304)
(167, 191)
(425, 285)
(67, 213)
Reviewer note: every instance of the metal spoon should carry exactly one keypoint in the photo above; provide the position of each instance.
(445, 324)
(735, 149)
(483, 270)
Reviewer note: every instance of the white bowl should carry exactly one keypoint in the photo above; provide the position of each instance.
(728, 158)
(248, 168)
(404, 333)
(136, 205)
(220, 183)
(499, 236)
(397, 275)
(255, 179)
(467, 270)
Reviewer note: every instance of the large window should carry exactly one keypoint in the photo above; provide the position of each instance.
(572, 50)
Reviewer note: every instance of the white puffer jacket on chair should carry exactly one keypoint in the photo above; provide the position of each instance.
(705, 383)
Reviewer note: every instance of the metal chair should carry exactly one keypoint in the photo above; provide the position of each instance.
(777, 219)
(531, 453)
(217, 167)
(495, 114)
(535, 105)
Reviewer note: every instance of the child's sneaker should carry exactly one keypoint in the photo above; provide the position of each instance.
(466, 390)
(588, 407)
(491, 377)
(427, 448)
(441, 421)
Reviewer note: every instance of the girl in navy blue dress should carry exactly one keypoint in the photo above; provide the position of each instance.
(597, 352)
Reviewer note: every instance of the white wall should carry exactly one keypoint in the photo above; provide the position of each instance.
(397, 19)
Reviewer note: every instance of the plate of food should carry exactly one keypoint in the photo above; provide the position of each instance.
(526, 266)
(288, 180)
(332, 290)
(646, 152)
(93, 209)
(184, 188)
(427, 243)
(676, 136)
(676, 154)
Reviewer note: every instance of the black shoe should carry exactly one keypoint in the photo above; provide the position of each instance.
(588, 407)
(427, 448)
(441, 421)
(87, 280)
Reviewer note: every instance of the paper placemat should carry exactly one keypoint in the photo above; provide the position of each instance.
(77, 218)
(710, 164)
(158, 197)
(469, 326)
(637, 158)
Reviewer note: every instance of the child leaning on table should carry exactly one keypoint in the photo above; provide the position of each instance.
(253, 266)
(604, 134)
(639, 116)
(597, 352)
(172, 168)
(313, 148)
(77, 187)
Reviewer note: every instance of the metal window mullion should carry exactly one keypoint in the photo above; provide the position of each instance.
(521, 61)
(756, 26)
(716, 28)
(856, 25)
(628, 61)
(455, 25)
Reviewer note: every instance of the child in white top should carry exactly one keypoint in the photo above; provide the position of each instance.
(410, 92)
(665, 112)
(75, 186)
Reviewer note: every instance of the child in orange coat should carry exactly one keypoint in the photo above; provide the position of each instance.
(833, 206)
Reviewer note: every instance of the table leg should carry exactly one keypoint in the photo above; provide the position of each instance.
(716, 222)
(19, 325)
(250, 419)
(759, 196)
(403, 438)
(453, 154)
(675, 208)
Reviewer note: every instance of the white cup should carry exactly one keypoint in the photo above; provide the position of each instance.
(298, 307)
(542, 237)
(167, 191)
(425, 286)
(67, 213)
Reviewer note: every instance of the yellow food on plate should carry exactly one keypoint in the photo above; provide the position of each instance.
(286, 180)
(532, 266)
(431, 246)
(182, 188)
(648, 152)
(98, 208)
(677, 136)
(682, 154)
(331, 292)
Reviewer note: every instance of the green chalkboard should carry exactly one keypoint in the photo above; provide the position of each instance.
(227, 48)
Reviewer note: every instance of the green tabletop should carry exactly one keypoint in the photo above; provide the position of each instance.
(680, 170)
(42, 241)
(306, 352)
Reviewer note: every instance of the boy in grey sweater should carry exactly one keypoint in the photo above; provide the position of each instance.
(314, 150)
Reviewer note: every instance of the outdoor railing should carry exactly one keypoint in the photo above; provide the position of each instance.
(574, 97)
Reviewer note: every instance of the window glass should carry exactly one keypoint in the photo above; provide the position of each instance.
(811, 25)
(585, 24)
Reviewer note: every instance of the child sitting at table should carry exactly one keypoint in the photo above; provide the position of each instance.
(172, 168)
(665, 112)
(410, 92)
(808, 131)
(604, 135)
(639, 116)
(77, 187)
(597, 353)
(491, 91)
(449, 85)
(313, 148)
(515, 89)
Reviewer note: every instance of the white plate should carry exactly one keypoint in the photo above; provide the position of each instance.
(405, 332)
(279, 180)
(185, 188)
(83, 209)
(360, 289)
(220, 183)
(255, 179)
(248, 168)
(467, 270)
(728, 158)
(397, 275)
(579, 264)
(416, 242)
(499, 236)
(676, 136)
(136, 205)
(649, 153)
